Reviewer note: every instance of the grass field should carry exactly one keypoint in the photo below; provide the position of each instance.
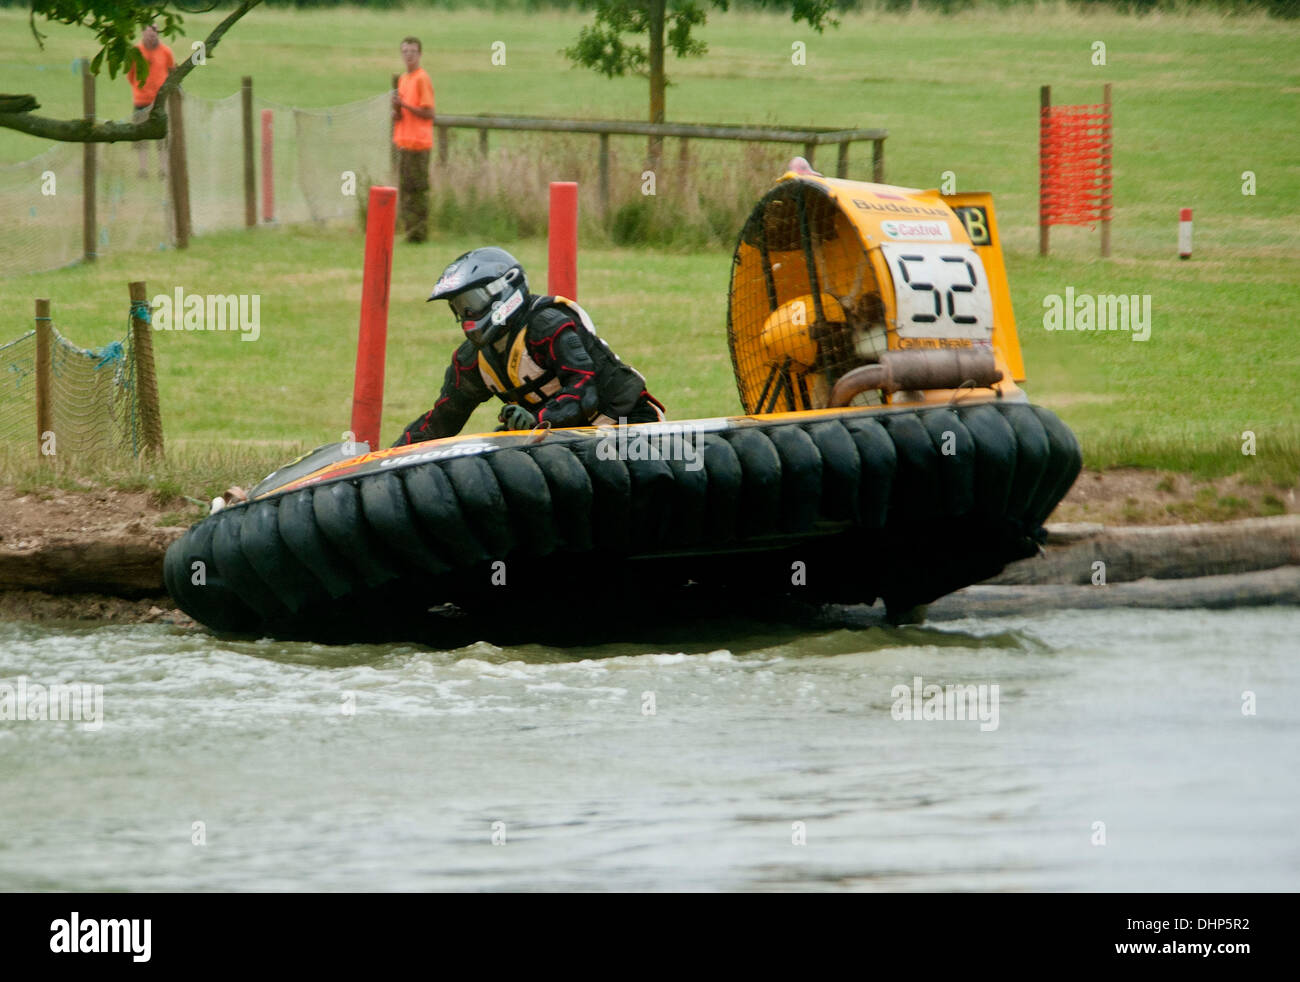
(1198, 101)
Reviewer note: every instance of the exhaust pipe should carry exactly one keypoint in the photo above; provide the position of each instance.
(901, 371)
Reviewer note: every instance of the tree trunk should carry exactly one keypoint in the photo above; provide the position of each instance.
(655, 145)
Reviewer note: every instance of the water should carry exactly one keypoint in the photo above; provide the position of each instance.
(1131, 718)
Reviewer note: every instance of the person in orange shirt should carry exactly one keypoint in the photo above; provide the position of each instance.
(143, 92)
(413, 137)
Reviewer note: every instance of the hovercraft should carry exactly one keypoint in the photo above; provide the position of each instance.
(886, 452)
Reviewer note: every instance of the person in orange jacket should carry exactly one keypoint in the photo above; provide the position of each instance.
(144, 90)
(413, 137)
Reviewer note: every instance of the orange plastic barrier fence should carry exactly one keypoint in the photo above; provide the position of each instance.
(1075, 152)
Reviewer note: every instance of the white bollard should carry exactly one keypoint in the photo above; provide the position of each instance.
(1185, 233)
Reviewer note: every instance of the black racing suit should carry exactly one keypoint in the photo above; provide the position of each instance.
(552, 364)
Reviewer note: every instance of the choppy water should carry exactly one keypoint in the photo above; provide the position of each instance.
(1131, 718)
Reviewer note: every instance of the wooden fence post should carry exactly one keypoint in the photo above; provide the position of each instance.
(180, 177)
(392, 129)
(89, 222)
(842, 165)
(878, 161)
(1105, 164)
(442, 145)
(268, 165)
(1044, 104)
(146, 378)
(604, 176)
(250, 172)
(44, 378)
(810, 153)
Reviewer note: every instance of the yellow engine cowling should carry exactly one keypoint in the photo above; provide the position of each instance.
(830, 274)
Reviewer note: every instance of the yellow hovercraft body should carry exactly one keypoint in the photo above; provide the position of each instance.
(830, 275)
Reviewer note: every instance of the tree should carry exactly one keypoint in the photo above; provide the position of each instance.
(116, 24)
(601, 46)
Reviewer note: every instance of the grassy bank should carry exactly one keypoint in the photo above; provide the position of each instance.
(1198, 100)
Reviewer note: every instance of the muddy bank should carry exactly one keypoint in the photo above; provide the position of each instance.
(104, 541)
(98, 608)
(1130, 496)
(97, 555)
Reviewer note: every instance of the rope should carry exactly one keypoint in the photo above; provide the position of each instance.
(112, 353)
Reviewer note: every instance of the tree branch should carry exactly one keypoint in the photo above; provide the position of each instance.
(152, 127)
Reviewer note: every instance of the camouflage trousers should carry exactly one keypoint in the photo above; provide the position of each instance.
(413, 196)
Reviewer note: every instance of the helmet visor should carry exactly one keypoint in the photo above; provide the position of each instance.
(471, 305)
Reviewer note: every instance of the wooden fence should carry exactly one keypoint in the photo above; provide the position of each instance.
(809, 137)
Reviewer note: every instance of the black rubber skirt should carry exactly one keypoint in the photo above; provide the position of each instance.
(843, 506)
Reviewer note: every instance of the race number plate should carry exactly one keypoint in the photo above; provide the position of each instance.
(940, 291)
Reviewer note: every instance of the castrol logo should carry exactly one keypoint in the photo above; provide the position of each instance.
(922, 231)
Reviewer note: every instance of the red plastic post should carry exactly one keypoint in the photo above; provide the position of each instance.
(268, 178)
(372, 341)
(562, 244)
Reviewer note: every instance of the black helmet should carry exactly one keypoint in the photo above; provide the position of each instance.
(485, 287)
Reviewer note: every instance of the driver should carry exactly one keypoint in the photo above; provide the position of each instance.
(538, 355)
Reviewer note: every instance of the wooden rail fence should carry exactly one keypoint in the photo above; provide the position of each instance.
(809, 137)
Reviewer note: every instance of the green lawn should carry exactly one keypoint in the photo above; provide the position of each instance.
(1198, 100)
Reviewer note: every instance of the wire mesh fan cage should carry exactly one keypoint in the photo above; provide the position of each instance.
(805, 306)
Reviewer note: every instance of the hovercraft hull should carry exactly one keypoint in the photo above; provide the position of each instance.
(842, 505)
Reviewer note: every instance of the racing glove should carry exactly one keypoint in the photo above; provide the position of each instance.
(517, 418)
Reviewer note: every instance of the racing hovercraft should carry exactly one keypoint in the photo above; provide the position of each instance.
(886, 451)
